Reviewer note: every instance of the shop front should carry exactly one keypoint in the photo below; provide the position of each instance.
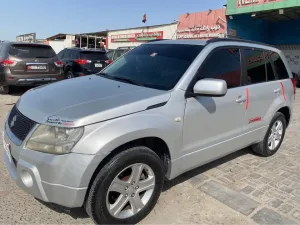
(275, 22)
(133, 37)
(202, 25)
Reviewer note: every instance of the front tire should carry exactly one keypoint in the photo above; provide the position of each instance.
(273, 138)
(127, 188)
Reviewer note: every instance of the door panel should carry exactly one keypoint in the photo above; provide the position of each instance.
(264, 93)
(212, 125)
(209, 121)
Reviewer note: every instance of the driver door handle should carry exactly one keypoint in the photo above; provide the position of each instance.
(241, 99)
(277, 91)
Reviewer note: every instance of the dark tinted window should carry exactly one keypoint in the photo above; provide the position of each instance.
(223, 64)
(255, 65)
(93, 55)
(118, 53)
(71, 54)
(31, 51)
(279, 66)
(61, 54)
(155, 65)
(110, 54)
(67, 54)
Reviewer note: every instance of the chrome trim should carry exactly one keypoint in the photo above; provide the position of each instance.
(37, 79)
(36, 63)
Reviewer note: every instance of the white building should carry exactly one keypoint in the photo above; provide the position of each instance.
(132, 37)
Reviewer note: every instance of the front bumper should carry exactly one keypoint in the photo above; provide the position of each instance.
(60, 179)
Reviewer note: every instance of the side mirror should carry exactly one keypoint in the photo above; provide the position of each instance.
(210, 87)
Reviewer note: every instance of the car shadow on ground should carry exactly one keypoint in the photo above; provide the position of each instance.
(18, 91)
(77, 213)
(199, 170)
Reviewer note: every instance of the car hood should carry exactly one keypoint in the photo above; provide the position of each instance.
(86, 100)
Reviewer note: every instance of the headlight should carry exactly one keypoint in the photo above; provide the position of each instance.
(54, 140)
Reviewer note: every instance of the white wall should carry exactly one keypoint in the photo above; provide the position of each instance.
(169, 32)
(59, 45)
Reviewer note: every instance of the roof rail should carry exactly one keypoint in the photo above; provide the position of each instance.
(236, 40)
(158, 40)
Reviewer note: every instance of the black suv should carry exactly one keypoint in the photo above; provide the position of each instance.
(27, 64)
(80, 62)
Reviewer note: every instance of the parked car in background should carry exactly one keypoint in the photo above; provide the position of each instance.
(109, 141)
(27, 64)
(297, 78)
(79, 62)
(113, 54)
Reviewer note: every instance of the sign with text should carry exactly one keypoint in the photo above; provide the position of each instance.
(202, 25)
(136, 37)
(241, 3)
(26, 38)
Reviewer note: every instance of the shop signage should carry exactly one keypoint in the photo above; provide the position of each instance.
(241, 3)
(136, 37)
(200, 28)
(202, 25)
(195, 32)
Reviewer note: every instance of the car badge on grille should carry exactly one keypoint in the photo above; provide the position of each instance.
(13, 121)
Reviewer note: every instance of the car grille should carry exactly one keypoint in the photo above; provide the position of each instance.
(19, 124)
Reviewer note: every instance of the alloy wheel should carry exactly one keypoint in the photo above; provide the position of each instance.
(130, 191)
(275, 135)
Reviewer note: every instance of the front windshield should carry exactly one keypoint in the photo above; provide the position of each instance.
(157, 66)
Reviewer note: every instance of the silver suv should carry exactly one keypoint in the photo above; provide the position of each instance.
(108, 141)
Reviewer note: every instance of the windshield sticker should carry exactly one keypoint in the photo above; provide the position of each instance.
(153, 54)
(55, 120)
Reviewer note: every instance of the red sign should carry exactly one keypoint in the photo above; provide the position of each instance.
(241, 3)
(136, 37)
(202, 25)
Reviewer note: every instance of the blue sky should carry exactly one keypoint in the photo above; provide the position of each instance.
(50, 17)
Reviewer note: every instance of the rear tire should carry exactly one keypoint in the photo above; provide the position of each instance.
(4, 90)
(116, 197)
(69, 74)
(271, 143)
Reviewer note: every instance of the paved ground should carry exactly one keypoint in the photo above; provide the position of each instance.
(241, 188)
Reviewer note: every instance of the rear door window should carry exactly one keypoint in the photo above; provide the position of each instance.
(25, 51)
(255, 66)
(223, 64)
(270, 69)
(93, 55)
(280, 68)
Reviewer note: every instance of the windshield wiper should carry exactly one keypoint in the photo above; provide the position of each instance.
(124, 79)
(127, 80)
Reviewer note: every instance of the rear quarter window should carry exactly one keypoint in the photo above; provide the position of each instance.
(280, 68)
(93, 55)
(31, 51)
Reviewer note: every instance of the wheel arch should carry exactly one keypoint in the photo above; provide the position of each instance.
(156, 144)
(287, 114)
